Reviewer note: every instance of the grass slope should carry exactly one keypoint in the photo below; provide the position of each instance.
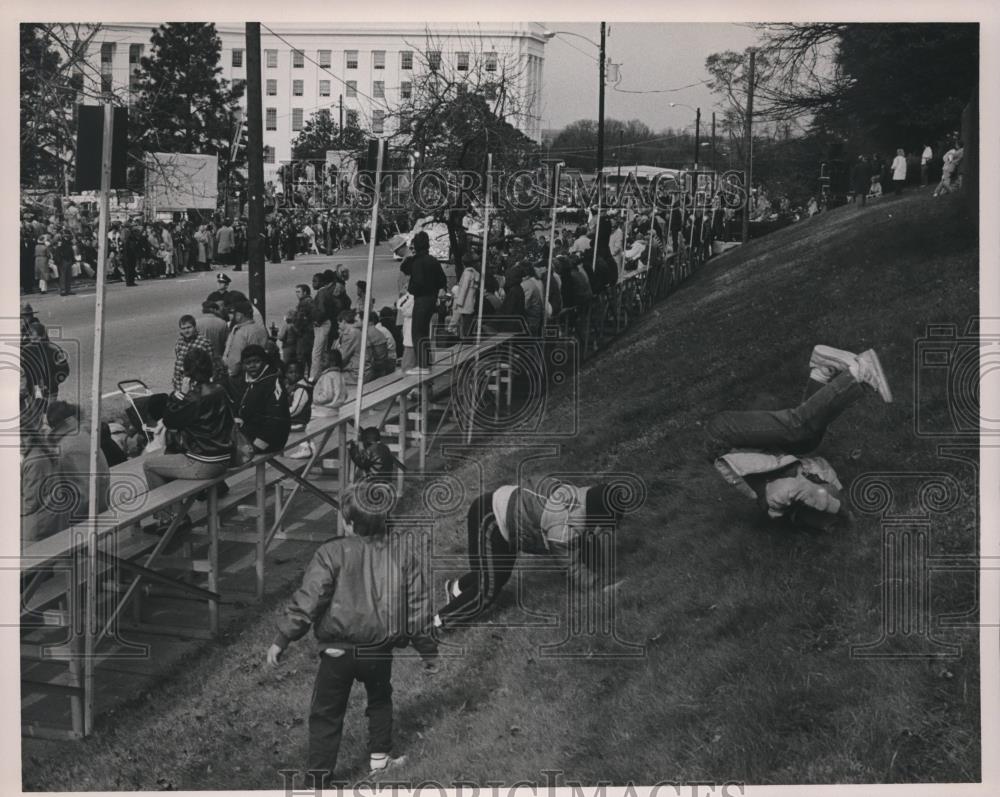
(747, 673)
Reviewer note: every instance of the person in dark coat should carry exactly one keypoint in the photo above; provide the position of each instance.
(427, 280)
(861, 178)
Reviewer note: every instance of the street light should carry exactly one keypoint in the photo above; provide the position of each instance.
(697, 129)
(551, 34)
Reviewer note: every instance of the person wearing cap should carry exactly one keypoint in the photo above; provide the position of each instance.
(223, 281)
(762, 453)
(261, 408)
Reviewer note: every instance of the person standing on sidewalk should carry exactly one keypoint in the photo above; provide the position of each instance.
(225, 240)
(363, 596)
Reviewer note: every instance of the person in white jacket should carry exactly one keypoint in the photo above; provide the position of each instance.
(467, 297)
(761, 452)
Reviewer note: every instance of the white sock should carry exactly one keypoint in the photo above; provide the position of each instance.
(437, 621)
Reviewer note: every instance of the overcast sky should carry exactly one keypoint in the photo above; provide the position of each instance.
(653, 56)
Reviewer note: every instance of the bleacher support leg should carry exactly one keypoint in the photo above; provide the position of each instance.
(261, 490)
(213, 558)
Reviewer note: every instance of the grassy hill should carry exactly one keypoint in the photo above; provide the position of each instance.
(747, 672)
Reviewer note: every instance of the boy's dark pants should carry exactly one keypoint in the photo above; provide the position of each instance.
(373, 667)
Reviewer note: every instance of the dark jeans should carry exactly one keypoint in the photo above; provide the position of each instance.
(491, 562)
(372, 666)
(423, 310)
(794, 431)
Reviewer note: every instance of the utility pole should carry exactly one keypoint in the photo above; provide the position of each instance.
(713, 141)
(600, 104)
(255, 170)
(341, 115)
(621, 154)
(697, 135)
(748, 152)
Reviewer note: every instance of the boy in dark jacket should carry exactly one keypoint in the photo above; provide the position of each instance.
(363, 596)
(262, 408)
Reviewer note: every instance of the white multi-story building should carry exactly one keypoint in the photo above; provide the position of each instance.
(358, 72)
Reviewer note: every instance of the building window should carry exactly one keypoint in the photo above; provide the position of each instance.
(378, 59)
(239, 86)
(268, 154)
(324, 88)
(460, 89)
(491, 62)
(352, 118)
(298, 59)
(351, 59)
(324, 114)
(134, 53)
(378, 89)
(106, 84)
(134, 81)
(271, 119)
(404, 123)
(296, 118)
(490, 91)
(433, 60)
(462, 62)
(272, 87)
(352, 88)
(237, 57)
(296, 88)
(406, 59)
(323, 56)
(107, 55)
(378, 121)
(405, 90)
(271, 59)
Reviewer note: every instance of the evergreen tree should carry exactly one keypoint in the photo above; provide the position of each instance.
(320, 133)
(184, 105)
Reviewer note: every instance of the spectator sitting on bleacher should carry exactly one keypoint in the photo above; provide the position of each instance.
(329, 393)
(349, 346)
(378, 360)
(38, 467)
(261, 406)
(299, 396)
(69, 439)
(199, 415)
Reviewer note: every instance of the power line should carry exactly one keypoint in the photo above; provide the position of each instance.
(661, 91)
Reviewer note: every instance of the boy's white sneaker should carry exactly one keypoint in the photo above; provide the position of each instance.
(380, 762)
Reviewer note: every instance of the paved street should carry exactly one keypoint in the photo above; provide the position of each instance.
(141, 322)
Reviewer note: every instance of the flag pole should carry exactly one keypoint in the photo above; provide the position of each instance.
(368, 288)
(91, 621)
(482, 289)
(552, 238)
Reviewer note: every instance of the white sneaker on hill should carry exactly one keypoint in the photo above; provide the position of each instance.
(826, 362)
(869, 371)
(380, 762)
